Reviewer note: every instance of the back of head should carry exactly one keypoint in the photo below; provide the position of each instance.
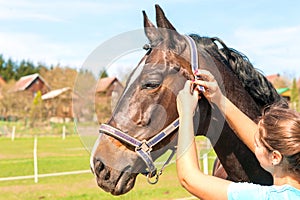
(280, 129)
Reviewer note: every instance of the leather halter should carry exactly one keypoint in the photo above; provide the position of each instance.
(143, 148)
(194, 59)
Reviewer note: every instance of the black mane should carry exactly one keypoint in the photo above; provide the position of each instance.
(255, 83)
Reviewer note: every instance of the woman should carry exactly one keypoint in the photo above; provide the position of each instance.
(275, 140)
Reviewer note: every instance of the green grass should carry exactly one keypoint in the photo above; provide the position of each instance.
(54, 155)
(57, 155)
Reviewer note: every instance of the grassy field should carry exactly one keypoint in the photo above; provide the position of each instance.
(57, 155)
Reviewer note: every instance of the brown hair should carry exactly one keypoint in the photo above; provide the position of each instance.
(279, 129)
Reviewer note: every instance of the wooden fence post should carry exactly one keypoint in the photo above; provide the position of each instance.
(35, 164)
(13, 133)
(64, 132)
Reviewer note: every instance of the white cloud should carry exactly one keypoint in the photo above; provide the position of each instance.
(26, 10)
(271, 50)
(30, 46)
(56, 10)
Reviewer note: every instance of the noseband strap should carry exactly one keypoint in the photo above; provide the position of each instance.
(143, 148)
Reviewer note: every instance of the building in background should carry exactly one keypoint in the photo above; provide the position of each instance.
(59, 104)
(32, 84)
(107, 94)
(2, 84)
(282, 85)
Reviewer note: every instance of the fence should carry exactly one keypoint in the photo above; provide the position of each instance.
(5, 131)
(204, 159)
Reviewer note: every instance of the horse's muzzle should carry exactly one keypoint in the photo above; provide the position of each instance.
(114, 166)
(113, 181)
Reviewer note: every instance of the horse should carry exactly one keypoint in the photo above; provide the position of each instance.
(144, 123)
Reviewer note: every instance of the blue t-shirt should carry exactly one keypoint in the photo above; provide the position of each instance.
(250, 191)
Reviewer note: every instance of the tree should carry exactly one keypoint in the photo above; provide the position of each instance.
(59, 77)
(2, 62)
(36, 109)
(15, 104)
(103, 73)
(295, 104)
(7, 71)
(25, 68)
(10, 69)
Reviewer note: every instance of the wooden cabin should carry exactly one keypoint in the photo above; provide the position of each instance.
(32, 83)
(107, 94)
(59, 104)
(2, 84)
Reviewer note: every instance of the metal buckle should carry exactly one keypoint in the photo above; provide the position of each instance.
(144, 146)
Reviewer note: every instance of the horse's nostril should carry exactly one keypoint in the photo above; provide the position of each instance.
(107, 175)
(99, 166)
(148, 122)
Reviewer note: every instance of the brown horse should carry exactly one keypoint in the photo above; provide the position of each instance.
(143, 124)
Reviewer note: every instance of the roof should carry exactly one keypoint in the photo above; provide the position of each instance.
(272, 77)
(2, 81)
(282, 90)
(104, 83)
(24, 82)
(54, 93)
(285, 92)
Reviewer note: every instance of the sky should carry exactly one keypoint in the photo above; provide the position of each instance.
(66, 32)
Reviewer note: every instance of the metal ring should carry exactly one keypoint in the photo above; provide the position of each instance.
(152, 182)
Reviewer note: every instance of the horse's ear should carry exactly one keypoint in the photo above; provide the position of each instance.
(161, 20)
(151, 31)
(174, 40)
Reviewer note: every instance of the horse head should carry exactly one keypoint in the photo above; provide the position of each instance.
(146, 107)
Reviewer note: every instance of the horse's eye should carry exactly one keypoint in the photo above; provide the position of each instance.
(150, 85)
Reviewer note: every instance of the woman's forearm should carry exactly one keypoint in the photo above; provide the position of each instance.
(187, 160)
(188, 170)
(185, 134)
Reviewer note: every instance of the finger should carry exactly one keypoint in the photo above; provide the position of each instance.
(205, 84)
(206, 75)
(202, 72)
(187, 85)
(192, 87)
(195, 94)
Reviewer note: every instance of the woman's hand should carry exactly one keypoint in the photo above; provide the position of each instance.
(187, 102)
(212, 91)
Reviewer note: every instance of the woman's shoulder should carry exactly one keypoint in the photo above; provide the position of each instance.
(283, 188)
(255, 191)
